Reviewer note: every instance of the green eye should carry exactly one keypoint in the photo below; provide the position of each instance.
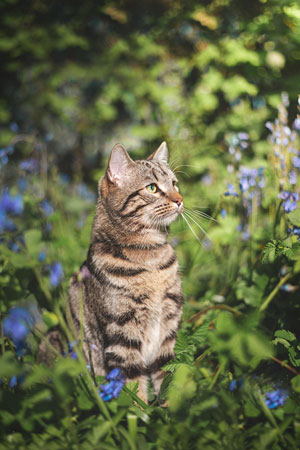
(152, 188)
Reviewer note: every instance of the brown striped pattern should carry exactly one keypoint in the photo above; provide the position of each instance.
(133, 299)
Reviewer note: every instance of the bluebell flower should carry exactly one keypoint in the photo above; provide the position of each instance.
(11, 204)
(275, 398)
(296, 162)
(14, 246)
(85, 192)
(223, 212)
(56, 274)
(48, 227)
(112, 389)
(296, 124)
(290, 200)
(269, 125)
(6, 224)
(18, 324)
(236, 384)
(22, 184)
(292, 177)
(42, 255)
(14, 127)
(47, 208)
(230, 191)
(71, 350)
(64, 178)
(30, 165)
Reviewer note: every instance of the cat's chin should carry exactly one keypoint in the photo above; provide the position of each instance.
(167, 220)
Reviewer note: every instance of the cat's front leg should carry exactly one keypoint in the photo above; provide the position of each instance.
(131, 363)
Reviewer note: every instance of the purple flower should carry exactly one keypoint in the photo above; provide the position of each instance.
(56, 274)
(11, 204)
(243, 136)
(30, 165)
(275, 398)
(5, 223)
(269, 125)
(236, 384)
(85, 192)
(290, 200)
(112, 389)
(22, 184)
(42, 255)
(18, 324)
(296, 162)
(16, 380)
(292, 177)
(47, 208)
(230, 191)
(296, 124)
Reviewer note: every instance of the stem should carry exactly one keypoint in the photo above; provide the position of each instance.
(274, 292)
(284, 364)
(135, 397)
(82, 361)
(215, 378)
(222, 307)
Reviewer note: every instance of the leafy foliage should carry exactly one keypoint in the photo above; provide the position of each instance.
(75, 79)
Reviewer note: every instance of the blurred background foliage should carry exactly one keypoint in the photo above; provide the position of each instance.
(77, 77)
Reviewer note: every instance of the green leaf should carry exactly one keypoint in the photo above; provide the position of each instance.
(269, 252)
(284, 334)
(295, 382)
(294, 217)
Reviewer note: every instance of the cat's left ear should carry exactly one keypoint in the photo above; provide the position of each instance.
(118, 165)
(161, 154)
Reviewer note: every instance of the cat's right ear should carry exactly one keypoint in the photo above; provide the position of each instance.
(118, 165)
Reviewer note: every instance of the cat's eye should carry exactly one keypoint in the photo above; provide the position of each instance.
(152, 188)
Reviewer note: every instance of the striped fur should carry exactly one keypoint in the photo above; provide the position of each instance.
(132, 299)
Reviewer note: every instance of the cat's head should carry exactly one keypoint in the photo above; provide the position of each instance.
(143, 191)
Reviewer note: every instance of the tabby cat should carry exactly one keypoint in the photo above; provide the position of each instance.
(132, 297)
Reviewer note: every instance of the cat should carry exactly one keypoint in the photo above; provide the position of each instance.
(132, 297)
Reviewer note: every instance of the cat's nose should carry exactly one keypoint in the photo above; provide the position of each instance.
(177, 198)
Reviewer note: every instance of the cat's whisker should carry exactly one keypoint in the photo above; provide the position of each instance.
(198, 225)
(190, 227)
(181, 171)
(201, 214)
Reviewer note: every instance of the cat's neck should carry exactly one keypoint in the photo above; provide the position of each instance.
(126, 234)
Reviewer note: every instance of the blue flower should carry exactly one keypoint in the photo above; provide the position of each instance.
(269, 125)
(56, 274)
(275, 398)
(297, 124)
(11, 204)
(42, 255)
(47, 208)
(236, 384)
(5, 223)
(290, 200)
(112, 389)
(22, 184)
(18, 324)
(292, 177)
(30, 165)
(296, 162)
(16, 379)
(230, 191)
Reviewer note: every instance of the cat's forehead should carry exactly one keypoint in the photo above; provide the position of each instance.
(156, 169)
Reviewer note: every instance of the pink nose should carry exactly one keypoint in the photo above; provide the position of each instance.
(177, 199)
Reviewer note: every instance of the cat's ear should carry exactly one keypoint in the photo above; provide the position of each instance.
(161, 154)
(118, 165)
